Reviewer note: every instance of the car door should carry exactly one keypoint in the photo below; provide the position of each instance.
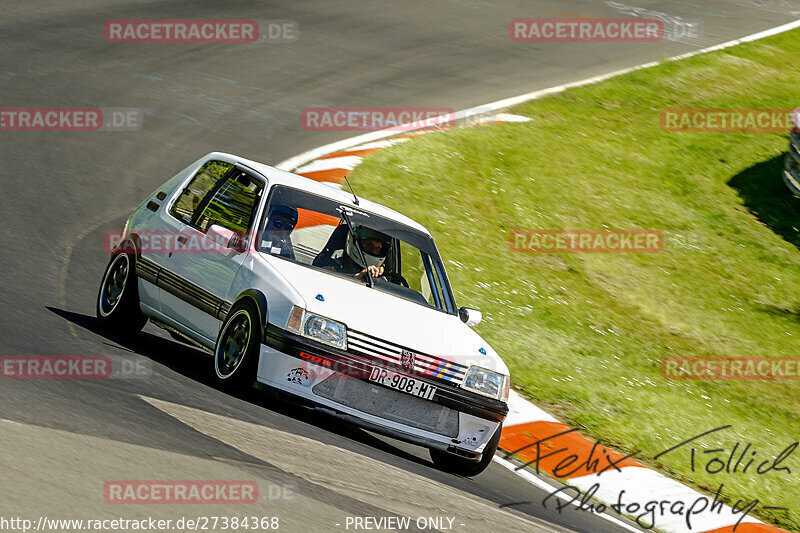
(159, 237)
(209, 251)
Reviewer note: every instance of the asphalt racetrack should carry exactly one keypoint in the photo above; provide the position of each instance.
(62, 440)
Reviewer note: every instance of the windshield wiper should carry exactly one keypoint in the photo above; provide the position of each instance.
(370, 281)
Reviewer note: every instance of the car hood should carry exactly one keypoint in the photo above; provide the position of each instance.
(388, 317)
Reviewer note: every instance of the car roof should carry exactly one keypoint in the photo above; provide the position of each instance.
(281, 177)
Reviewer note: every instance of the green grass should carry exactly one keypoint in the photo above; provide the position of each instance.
(583, 334)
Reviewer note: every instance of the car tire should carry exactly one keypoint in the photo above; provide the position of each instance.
(454, 464)
(117, 308)
(238, 347)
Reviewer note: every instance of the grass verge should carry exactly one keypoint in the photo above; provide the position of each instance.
(584, 334)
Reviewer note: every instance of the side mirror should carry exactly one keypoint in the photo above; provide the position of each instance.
(238, 242)
(469, 316)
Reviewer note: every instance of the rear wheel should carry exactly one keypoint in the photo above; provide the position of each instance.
(117, 307)
(238, 346)
(463, 467)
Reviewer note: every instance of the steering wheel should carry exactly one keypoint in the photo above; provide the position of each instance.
(397, 279)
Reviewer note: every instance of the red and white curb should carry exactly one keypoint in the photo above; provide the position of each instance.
(333, 165)
(632, 484)
(529, 433)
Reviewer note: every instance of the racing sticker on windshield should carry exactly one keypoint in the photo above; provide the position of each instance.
(268, 245)
(349, 211)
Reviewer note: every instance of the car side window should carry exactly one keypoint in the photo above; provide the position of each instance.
(233, 205)
(413, 270)
(192, 196)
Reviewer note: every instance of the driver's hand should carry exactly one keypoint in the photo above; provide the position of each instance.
(374, 271)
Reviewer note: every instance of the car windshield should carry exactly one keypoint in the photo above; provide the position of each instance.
(344, 240)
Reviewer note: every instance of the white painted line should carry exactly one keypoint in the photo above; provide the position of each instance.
(348, 162)
(378, 144)
(339, 146)
(509, 102)
(294, 162)
(508, 117)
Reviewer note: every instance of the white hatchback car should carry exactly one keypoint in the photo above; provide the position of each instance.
(338, 301)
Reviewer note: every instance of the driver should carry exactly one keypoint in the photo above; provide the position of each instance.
(281, 220)
(375, 247)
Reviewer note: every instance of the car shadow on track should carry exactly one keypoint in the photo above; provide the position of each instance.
(195, 364)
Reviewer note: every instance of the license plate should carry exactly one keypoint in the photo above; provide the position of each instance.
(396, 381)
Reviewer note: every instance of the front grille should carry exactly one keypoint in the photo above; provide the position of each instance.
(389, 404)
(388, 352)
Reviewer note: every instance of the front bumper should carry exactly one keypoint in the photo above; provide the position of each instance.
(453, 420)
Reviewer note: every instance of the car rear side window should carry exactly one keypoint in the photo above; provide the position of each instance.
(233, 204)
(185, 207)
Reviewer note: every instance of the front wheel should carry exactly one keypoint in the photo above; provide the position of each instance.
(117, 307)
(463, 467)
(238, 346)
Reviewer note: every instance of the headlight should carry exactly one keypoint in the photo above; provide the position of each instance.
(317, 327)
(486, 382)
